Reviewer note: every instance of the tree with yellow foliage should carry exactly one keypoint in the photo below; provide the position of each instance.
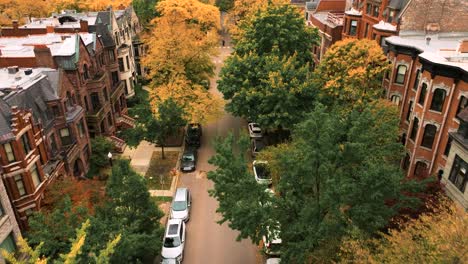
(181, 44)
(22, 10)
(438, 237)
(351, 72)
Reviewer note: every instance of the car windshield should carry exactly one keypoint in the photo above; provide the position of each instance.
(256, 129)
(179, 206)
(171, 242)
(188, 157)
(262, 171)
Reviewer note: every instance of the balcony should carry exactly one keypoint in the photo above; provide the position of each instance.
(73, 113)
(98, 82)
(335, 18)
(117, 91)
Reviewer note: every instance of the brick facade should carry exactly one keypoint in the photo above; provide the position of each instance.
(9, 229)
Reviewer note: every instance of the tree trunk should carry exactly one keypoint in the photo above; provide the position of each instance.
(162, 151)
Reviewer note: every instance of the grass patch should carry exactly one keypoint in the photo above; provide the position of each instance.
(161, 199)
(159, 174)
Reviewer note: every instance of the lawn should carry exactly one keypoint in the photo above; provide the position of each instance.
(159, 174)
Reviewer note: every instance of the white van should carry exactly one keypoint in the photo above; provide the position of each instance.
(180, 207)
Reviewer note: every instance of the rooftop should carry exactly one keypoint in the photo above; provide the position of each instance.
(60, 44)
(63, 20)
(442, 49)
(14, 79)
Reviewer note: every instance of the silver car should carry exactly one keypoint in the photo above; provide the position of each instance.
(180, 208)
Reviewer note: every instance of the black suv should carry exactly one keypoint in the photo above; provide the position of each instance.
(193, 135)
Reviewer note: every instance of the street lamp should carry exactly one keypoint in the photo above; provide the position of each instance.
(109, 155)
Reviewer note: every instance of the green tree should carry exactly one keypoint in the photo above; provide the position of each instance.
(128, 211)
(270, 89)
(350, 74)
(339, 173)
(240, 197)
(100, 147)
(145, 10)
(281, 27)
(224, 5)
(54, 229)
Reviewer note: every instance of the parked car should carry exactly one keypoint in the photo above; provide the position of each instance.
(273, 261)
(180, 207)
(272, 242)
(255, 131)
(193, 135)
(188, 162)
(170, 261)
(257, 146)
(261, 172)
(174, 240)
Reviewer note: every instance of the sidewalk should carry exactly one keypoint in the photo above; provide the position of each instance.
(140, 157)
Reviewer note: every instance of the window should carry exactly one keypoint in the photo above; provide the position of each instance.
(403, 139)
(390, 16)
(20, 185)
(35, 176)
(415, 128)
(56, 110)
(368, 9)
(117, 38)
(420, 170)
(395, 99)
(438, 100)
(53, 143)
(422, 94)
(112, 55)
(376, 11)
(401, 73)
(429, 135)
(410, 109)
(85, 72)
(95, 102)
(115, 78)
(416, 81)
(109, 120)
(1, 209)
(128, 62)
(448, 146)
(9, 244)
(121, 65)
(462, 104)
(9, 152)
(353, 28)
(65, 136)
(137, 52)
(458, 174)
(366, 29)
(126, 87)
(406, 162)
(81, 128)
(25, 141)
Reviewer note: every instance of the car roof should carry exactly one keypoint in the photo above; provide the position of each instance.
(173, 226)
(190, 151)
(180, 194)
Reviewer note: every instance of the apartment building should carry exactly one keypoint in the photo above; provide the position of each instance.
(327, 16)
(88, 62)
(9, 229)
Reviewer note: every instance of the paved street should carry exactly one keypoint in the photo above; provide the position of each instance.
(207, 241)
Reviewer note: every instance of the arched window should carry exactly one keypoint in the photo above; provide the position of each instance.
(422, 94)
(415, 128)
(85, 72)
(416, 81)
(406, 162)
(438, 100)
(429, 135)
(395, 99)
(410, 108)
(400, 75)
(420, 170)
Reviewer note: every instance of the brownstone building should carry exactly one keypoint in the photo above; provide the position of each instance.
(90, 64)
(327, 17)
(43, 134)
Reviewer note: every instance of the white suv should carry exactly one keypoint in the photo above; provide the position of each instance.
(180, 207)
(174, 240)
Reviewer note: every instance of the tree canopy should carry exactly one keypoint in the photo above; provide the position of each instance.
(351, 72)
(338, 174)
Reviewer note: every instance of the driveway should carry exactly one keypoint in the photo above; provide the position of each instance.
(207, 241)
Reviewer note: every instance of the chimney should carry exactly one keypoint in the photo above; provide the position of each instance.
(43, 56)
(428, 40)
(50, 29)
(15, 24)
(83, 26)
(463, 47)
(13, 69)
(28, 71)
